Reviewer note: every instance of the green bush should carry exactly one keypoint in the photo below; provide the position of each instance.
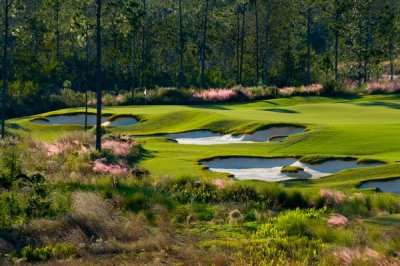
(136, 202)
(355, 206)
(59, 251)
(385, 202)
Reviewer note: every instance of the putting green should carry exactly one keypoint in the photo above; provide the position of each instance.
(362, 127)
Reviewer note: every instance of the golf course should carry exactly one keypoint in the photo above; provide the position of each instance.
(297, 180)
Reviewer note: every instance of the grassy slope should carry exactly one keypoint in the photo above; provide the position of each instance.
(359, 126)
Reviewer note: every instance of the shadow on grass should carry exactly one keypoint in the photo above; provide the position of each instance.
(16, 127)
(271, 102)
(144, 155)
(379, 103)
(209, 106)
(280, 110)
(389, 221)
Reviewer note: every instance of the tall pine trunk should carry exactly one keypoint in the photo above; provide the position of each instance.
(266, 59)
(98, 76)
(242, 45)
(238, 44)
(257, 43)
(4, 72)
(337, 47)
(133, 63)
(391, 58)
(143, 46)
(181, 74)
(308, 45)
(203, 51)
(87, 75)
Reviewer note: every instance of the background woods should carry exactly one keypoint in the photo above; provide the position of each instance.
(197, 43)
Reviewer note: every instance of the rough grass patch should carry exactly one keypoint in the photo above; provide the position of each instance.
(291, 169)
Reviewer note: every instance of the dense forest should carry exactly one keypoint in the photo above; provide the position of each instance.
(51, 44)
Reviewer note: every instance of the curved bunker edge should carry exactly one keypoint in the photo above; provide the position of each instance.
(270, 169)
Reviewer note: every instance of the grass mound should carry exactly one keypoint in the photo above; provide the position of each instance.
(291, 169)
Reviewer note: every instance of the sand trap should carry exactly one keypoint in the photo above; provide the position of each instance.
(270, 169)
(390, 186)
(122, 121)
(208, 138)
(79, 119)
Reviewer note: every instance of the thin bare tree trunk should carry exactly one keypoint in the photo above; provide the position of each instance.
(268, 15)
(308, 45)
(238, 45)
(4, 72)
(133, 64)
(181, 74)
(337, 48)
(143, 46)
(87, 76)
(98, 76)
(242, 45)
(203, 54)
(391, 59)
(257, 43)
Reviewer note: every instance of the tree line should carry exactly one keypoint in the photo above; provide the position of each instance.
(119, 45)
(201, 43)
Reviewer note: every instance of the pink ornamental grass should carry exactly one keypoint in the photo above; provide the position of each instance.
(216, 95)
(114, 169)
(120, 148)
(386, 87)
(222, 183)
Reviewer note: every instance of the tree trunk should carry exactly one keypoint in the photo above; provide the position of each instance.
(257, 43)
(4, 72)
(98, 76)
(87, 76)
(242, 46)
(203, 51)
(143, 46)
(114, 62)
(268, 15)
(133, 64)
(181, 74)
(308, 45)
(337, 47)
(238, 45)
(287, 67)
(56, 87)
(391, 59)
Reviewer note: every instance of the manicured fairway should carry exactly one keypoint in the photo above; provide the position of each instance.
(361, 127)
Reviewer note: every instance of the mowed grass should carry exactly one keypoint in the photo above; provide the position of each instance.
(362, 127)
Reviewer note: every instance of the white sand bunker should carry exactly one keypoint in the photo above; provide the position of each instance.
(120, 121)
(79, 119)
(390, 186)
(246, 168)
(208, 138)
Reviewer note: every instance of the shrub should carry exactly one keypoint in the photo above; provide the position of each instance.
(59, 251)
(136, 202)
